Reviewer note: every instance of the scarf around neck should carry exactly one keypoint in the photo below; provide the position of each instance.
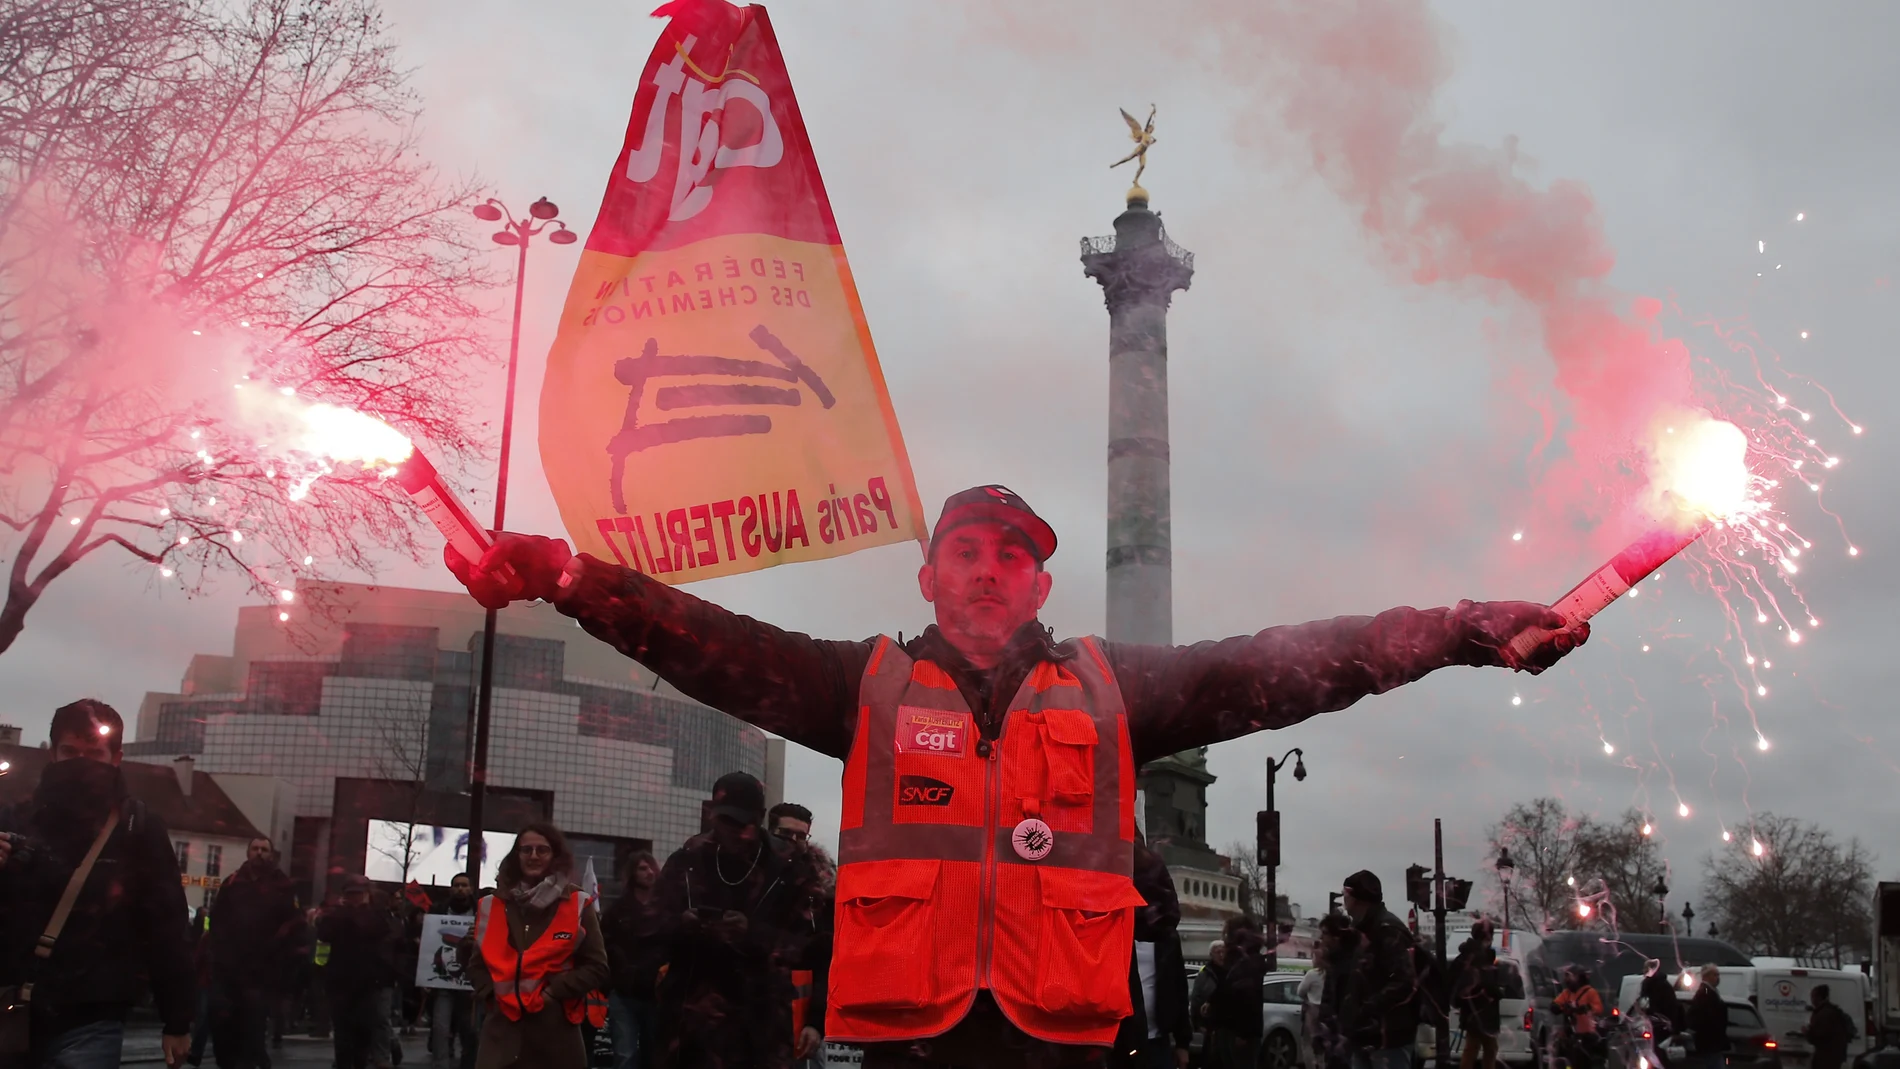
(541, 895)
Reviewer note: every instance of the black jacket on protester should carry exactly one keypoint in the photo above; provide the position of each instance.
(363, 942)
(256, 928)
(1477, 990)
(1664, 1005)
(1380, 1010)
(1708, 1020)
(1830, 1030)
(634, 948)
(130, 927)
(1236, 1006)
(1157, 923)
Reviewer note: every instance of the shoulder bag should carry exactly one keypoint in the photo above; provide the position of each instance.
(16, 1001)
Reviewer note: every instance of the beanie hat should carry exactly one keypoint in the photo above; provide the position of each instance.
(1365, 886)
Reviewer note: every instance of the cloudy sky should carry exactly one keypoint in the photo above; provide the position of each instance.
(1344, 439)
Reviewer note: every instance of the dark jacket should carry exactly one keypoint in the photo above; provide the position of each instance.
(1380, 1009)
(726, 999)
(1665, 1006)
(363, 943)
(129, 928)
(1477, 990)
(1236, 1007)
(1830, 1030)
(634, 950)
(544, 1040)
(1156, 923)
(1708, 1020)
(255, 928)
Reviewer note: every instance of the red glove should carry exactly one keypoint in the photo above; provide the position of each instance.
(1491, 625)
(515, 568)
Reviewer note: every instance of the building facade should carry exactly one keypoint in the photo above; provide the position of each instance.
(375, 685)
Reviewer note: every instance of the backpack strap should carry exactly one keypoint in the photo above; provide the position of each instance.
(57, 923)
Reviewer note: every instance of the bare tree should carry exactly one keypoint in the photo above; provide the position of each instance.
(1542, 837)
(1245, 864)
(403, 758)
(193, 193)
(1627, 863)
(1806, 896)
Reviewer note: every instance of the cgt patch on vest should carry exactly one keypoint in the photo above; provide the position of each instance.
(930, 731)
(922, 790)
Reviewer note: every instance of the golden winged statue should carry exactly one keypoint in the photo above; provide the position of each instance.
(1143, 137)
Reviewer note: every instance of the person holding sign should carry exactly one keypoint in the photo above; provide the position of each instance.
(985, 909)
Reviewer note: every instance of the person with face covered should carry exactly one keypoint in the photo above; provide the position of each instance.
(734, 903)
(987, 840)
(128, 925)
(452, 1013)
(537, 959)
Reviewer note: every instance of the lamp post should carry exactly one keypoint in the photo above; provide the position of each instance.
(1268, 836)
(1506, 868)
(1712, 932)
(1661, 891)
(1688, 921)
(516, 232)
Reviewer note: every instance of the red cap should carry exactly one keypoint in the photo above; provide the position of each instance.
(996, 504)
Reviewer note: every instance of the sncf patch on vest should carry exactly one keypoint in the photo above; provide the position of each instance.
(932, 731)
(922, 790)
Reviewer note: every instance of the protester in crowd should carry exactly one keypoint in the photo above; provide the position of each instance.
(1666, 1017)
(634, 955)
(989, 687)
(129, 920)
(734, 902)
(1477, 992)
(1338, 951)
(1157, 1034)
(1201, 998)
(537, 959)
(1235, 1020)
(360, 974)
(251, 944)
(790, 823)
(1380, 1011)
(452, 1027)
(1708, 1021)
(1829, 1030)
(1579, 1006)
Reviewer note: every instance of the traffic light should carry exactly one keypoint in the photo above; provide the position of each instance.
(1457, 893)
(1418, 889)
(1332, 902)
(1266, 832)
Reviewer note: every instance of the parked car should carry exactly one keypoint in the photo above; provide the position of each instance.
(1283, 1029)
(1751, 1046)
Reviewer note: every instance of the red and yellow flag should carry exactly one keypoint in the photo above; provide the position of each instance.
(713, 403)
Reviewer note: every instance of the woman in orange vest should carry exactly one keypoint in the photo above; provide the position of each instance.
(538, 959)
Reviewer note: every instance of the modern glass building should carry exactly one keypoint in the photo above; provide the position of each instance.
(359, 698)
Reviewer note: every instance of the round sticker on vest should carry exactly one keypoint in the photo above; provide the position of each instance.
(1032, 839)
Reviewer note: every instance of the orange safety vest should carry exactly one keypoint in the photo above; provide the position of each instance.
(520, 975)
(967, 865)
(801, 1001)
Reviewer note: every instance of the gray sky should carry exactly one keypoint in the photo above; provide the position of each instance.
(1342, 438)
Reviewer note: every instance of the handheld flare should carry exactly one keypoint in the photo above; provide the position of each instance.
(425, 487)
(1610, 582)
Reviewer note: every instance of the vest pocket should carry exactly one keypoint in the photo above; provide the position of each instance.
(885, 953)
(1088, 932)
(1069, 742)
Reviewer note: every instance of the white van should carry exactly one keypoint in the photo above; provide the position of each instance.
(1782, 995)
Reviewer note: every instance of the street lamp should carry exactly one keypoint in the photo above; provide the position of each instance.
(1268, 835)
(1712, 931)
(1506, 869)
(1661, 891)
(516, 232)
(1688, 921)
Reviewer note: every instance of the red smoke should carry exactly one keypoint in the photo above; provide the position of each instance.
(1357, 80)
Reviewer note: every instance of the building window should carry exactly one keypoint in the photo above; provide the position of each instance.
(184, 855)
(214, 859)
